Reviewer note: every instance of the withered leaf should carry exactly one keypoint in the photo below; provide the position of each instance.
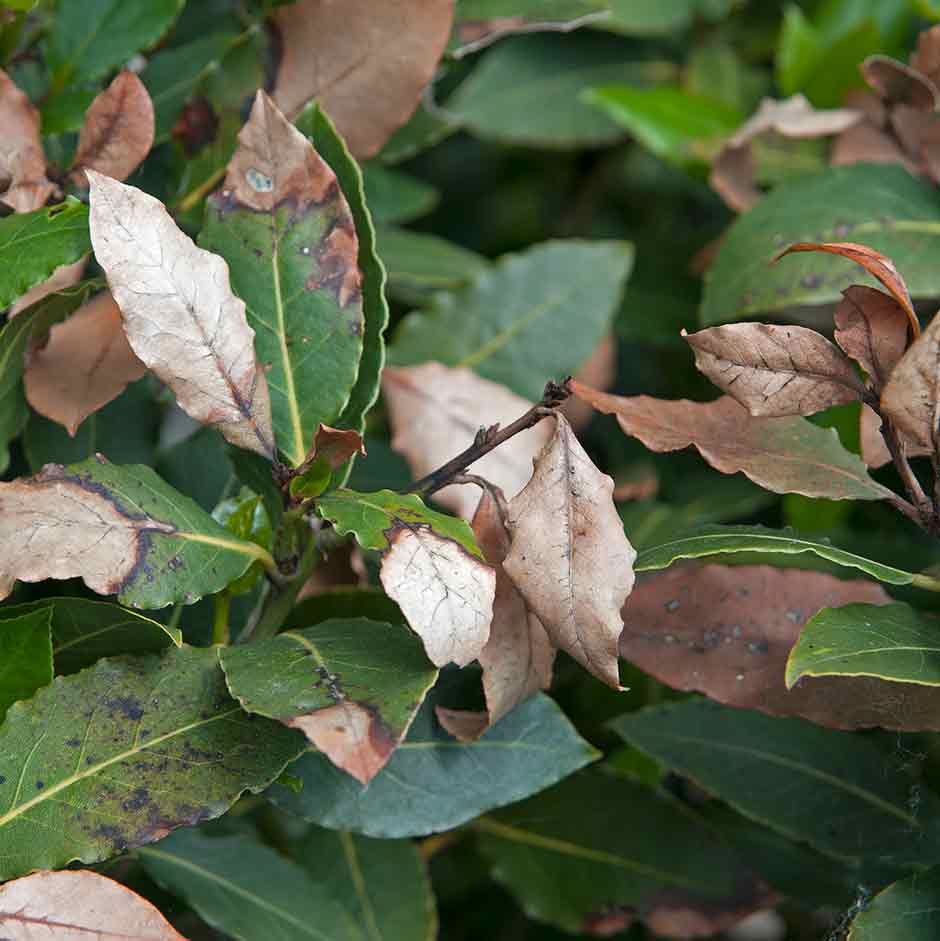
(180, 315)
(65, 276)
(445, 592)
(926, 58)
(866, 143)
(118, 130)
(877, 265)
(897, 83)
(726, 631)
(785, 455)
(435, 412)
(776, 370)
(569, 556)
(335, 446)
(874, 451)
(23, 183)
(872, 328)
(367, 63)
(63, 906)
(86, 363)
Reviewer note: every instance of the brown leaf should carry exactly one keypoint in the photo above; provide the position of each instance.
(69, 905)
(23, 183)
(65, 276)
(875, 452)
(877, 265)
(732, 177)
(118, 131)
(367, 63)
(926, 58)
(865, 143)
(436, 411)
(872, 328)
(445, 593)
(636, 482)
(335, 446)
(569, 557)
(180, 315)
(776, 370)
(779, 454)
(727, 631)
(897, 83)
(598, 370)
(85, 364)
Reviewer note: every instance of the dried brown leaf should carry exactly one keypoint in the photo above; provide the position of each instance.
(874, 451)
(68, 905)
(435, 413)
(445, 593)
(732, 177)
(899, 84)
(63, 277)
(775, 370)
(367, 63)
(335, 446)
(23, 183)
(180, 315)
(926, 58)
(599, 370)
(865, 143)
(569, 556)
(118, 131)
(872, 328)
(86, 363)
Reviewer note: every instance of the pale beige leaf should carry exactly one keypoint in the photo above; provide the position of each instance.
(63, 277)
(365, 62)
(445, 593)
(872, 328)
(86, 363)
(435, 413)
(775, 370)
(74, 905)
(118, 131)
(569, 556)
(180, 315)
(23, 183)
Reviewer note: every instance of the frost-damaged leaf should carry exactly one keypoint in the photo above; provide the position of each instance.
(727, 632)
(871, 327)
(85, 363)
(118, 131)
(874, 262)
(899, 84)
(180, 315)
(366, 64)
(25, 655)
(351, 686)
(517, 659)
(63, 906)
(23, 183)
(775, 370)
(286, 231)
(785, 455)
(121, 529)
(435, 413)
(905, 911)
(569, 556)
(122, 753)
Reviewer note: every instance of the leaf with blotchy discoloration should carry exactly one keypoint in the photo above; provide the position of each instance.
(871, 327)
(180, 315)
(63, 906)
(118, 131)
(775, 370)
(569, 556)
(367, 63)
(351, 686)
(121, 529)
(23, 183)
(284, 226)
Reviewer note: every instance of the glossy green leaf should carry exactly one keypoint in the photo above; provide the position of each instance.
(899, 216)
(716, 540)
(433, 782)
(836, 791)
(34, 244)
(530, 318)
(201, 466)
(25, 654)
(396, 197)
(119, 754)
(892, 642)
(905, 911)
(255, 473)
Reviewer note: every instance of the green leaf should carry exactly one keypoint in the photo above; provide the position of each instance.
(799, 50)
(393, 196)
(88, 38)
(899, 216)
(434, 782)
(833, 790)
(425, 128)
(716, 540)
(530, 318)
(891, 642)
(838, 68)
(658, 17)
(200, 465)
(25, 655)
(597, 842)
(119, 754)
(255, 473)
(65, 112)
(34, 244)
(369, 515)
(344, 602)
(905, 911)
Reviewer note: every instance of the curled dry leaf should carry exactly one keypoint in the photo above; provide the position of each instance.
(65, 906)
(65, 276)
(118, 130)
(435, 412)
(86, 363)
(335, 446)
(897, 83)
(872, 328)
(569, 556)
(775, 370)
(926, 58)
(367, 63)
(23, 183)
(180, 315)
